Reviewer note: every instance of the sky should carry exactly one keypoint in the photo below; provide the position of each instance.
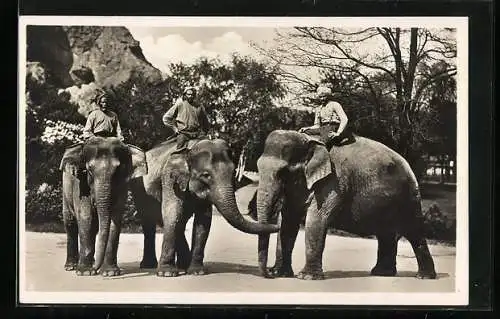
(164, 45)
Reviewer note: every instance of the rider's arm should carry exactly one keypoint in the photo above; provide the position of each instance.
(317, 122)
(169, 117)
(119, 129)
(88, 130)
(342, 115)
(315, 125)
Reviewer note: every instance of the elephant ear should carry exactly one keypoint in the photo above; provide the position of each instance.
(318, 166)
(139, 164)
(73, 156)
(179, 171)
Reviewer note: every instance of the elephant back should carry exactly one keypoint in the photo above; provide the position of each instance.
(367, 159)
(156, 158)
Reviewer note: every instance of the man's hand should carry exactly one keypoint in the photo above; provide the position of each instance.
(303, 129)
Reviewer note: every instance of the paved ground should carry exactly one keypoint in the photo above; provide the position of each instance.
(231, 259)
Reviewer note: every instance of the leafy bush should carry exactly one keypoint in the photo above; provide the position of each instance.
(129, 218)
(439, 226)
(44, 205)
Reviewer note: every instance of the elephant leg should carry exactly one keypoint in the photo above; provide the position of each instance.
(148, 208)
(172, 214)
(71, 227)
(315, 244)
(201, 229)
(278, 263)
(386, 255)
(286, 241)
(316, 227)
(181, 245)
(110, 267)
(149, 254)
(87, 231)
(414, 231)
(426, 268)
(317, 221)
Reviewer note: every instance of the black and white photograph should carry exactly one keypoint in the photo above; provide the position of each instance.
(243, 160)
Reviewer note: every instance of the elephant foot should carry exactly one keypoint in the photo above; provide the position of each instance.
(167, 272)
(282, 271)
(383, 271)
(426, 275)
(86, 271)
(110, 271)
(197, 270)
(183, 263)
(311, 275)
(70, 266)
(148, 264)
(265, 272)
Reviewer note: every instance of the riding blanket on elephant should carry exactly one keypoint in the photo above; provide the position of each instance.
(77, 148)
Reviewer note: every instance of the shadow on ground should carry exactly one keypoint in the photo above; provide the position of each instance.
(133, 269)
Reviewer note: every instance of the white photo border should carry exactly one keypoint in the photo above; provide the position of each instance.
(458, 297)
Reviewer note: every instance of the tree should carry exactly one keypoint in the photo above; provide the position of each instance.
(386, 62)
(238, 97)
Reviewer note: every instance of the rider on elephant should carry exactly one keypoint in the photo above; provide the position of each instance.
(187, 119)
(330, 121)
(101, 121)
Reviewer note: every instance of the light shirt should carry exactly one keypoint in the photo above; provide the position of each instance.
(186, 117)
(100, 121)
(327, 114)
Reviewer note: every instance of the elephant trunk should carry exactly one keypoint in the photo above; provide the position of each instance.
(225, 202)
(267, 200)
(103, 206)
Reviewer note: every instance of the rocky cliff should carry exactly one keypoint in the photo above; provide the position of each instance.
(83, 54)
(80, 59)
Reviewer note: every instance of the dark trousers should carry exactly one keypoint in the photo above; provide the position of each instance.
(183, 139)
(323, 131)
(104, 134)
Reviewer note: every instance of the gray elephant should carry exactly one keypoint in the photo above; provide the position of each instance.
(363, 187)
(178, 185)
(95, 176)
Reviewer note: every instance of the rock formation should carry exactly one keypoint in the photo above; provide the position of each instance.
(84, 54)
(79, 59)
(111, 53)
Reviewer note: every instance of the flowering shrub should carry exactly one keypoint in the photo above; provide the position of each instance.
(60, 130)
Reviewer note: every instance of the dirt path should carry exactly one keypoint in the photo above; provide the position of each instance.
(231, 262)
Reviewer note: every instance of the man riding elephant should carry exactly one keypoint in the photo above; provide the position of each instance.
(187, 119)
(101, 121)
(330, 120)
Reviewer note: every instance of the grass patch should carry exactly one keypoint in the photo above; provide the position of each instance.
(444, 196)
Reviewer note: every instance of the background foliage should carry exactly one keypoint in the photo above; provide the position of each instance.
(245, 100)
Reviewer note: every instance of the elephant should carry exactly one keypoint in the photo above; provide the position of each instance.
(180, 184)
(95, 174)
(362, 187)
